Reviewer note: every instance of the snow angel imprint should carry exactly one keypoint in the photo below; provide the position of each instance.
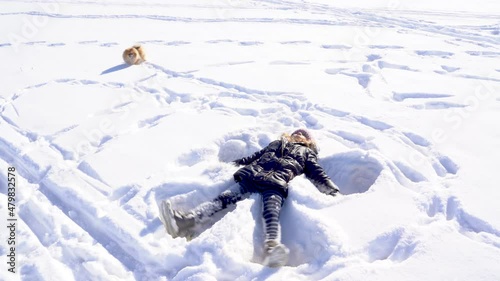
(268, 173)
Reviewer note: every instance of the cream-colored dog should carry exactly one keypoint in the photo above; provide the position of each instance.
(134, 55)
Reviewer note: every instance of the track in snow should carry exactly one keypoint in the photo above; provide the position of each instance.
(86, 209)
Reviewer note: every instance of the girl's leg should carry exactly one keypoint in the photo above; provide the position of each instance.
(226, 199)
(272, 202)
(181, 224)
(276, 253)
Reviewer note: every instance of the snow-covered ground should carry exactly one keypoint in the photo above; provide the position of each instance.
(403, 98)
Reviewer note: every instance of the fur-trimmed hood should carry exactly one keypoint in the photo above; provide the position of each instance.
(311, 143)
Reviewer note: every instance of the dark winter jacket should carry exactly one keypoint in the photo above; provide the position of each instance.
(278, 163)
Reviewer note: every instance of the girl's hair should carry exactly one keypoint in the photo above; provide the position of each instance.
(301, 139)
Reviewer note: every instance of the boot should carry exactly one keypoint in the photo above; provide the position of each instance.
(276, 253)
(177, 224)
(182, 224)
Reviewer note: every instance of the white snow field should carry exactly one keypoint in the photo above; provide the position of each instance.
(403, 98)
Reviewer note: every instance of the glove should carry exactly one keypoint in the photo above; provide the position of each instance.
(334, 190)
(327, 187)
(237, 162)
(334, 193)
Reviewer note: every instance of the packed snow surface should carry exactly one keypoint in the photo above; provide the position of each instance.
(402, 97)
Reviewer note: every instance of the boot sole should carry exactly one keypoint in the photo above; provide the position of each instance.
(278, 256)
(167, 218)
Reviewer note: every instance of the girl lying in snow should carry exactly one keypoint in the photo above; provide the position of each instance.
(267, 172)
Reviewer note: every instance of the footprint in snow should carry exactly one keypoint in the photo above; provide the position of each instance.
(396, 245)
(250, 43)
(298, 42)
(336, 47)
(431, 53)
(467, 224)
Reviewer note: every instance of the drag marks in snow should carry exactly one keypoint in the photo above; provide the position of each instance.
(384, 64)
(416, 139)
(450, 69)
(410, 173)
(418, 162)
(80, 197)
(450, 166)
(441, 54)
(451, 209)
(429, 101)
(404, 96)
(421, 148)
(58, 233)
(81, 205)
(336, 47)
(363, 78)
(296, 42)
(484, 54)
(355, 172)
(374, 124)
(396, 245)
